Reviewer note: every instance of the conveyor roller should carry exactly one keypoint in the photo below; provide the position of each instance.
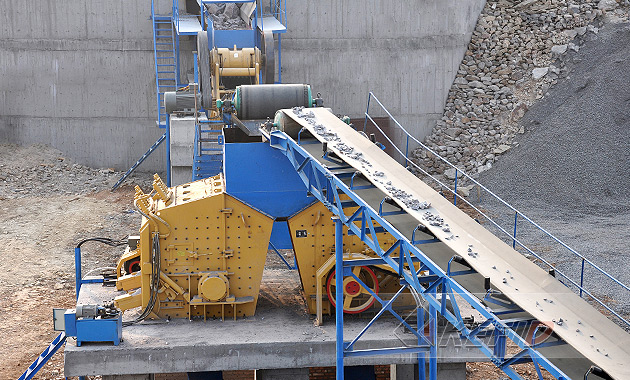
(262, 101)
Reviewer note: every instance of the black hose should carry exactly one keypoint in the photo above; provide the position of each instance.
(155, 282)
(106, 241)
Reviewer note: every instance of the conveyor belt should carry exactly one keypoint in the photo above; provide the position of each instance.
(584, 328)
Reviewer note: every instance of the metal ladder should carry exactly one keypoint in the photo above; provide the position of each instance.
(44, 357)
(166, 78)
(208, 151)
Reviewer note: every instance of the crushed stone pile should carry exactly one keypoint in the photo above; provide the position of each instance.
(516, 54)
(39, 170)
(575, 153)
(226, 16)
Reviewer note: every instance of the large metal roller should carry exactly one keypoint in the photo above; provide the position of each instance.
(254, 102)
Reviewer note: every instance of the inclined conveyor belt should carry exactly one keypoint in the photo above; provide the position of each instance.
(590, 336)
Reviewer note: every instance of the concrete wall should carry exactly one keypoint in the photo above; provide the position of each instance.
(78, 75)
(406, 52)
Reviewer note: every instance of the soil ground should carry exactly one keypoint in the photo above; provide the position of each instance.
(48, 204)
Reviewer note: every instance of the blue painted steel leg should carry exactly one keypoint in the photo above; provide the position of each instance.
(77, 269)
(582, 278)
(514, 235)
(433, 338)
(339, 294)
(421, 355)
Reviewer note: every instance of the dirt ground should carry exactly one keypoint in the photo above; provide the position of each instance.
(48, 204)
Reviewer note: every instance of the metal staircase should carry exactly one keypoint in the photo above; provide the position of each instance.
(44, 357)
(208, 149)
(166, 78)
(140, 161)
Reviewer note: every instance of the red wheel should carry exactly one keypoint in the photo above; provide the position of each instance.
(132, 266)
(356, 298)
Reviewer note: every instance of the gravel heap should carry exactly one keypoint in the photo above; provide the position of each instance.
(226, 16)
(41, 170)
(575, 154)
(515, 55)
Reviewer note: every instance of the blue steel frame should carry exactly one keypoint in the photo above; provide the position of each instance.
(511, 236)
(77, 273)
(328, 188)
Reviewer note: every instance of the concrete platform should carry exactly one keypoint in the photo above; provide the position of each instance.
(281, 335)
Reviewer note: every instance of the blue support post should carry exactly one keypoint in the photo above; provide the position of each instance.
(422, 372)
(500, 341)
(582, 278)
(433, 338)
(339, 294)
(77, 269)
(196, 68)
(514, 234)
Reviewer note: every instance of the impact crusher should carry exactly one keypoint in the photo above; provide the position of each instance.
(208, 249)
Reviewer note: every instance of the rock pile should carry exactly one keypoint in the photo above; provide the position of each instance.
(226, 16)
(39, 170)
(515, 55)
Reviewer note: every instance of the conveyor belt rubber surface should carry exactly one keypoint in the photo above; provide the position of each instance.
(583, 327)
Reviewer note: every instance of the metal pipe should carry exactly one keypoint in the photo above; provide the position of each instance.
(168, 149)
(77, 269)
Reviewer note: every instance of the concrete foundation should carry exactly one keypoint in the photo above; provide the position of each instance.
(281, 336)
(79, 76)
(182, 139)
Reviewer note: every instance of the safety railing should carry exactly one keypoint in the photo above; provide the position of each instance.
(278, 9)
(586, 266)
(176, 14)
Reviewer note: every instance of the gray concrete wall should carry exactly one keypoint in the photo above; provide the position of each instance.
(78, 75)
(406, 52)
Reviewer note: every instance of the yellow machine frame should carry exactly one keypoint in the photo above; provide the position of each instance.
(212, 250)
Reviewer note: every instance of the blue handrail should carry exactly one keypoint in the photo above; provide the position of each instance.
(517, 213)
